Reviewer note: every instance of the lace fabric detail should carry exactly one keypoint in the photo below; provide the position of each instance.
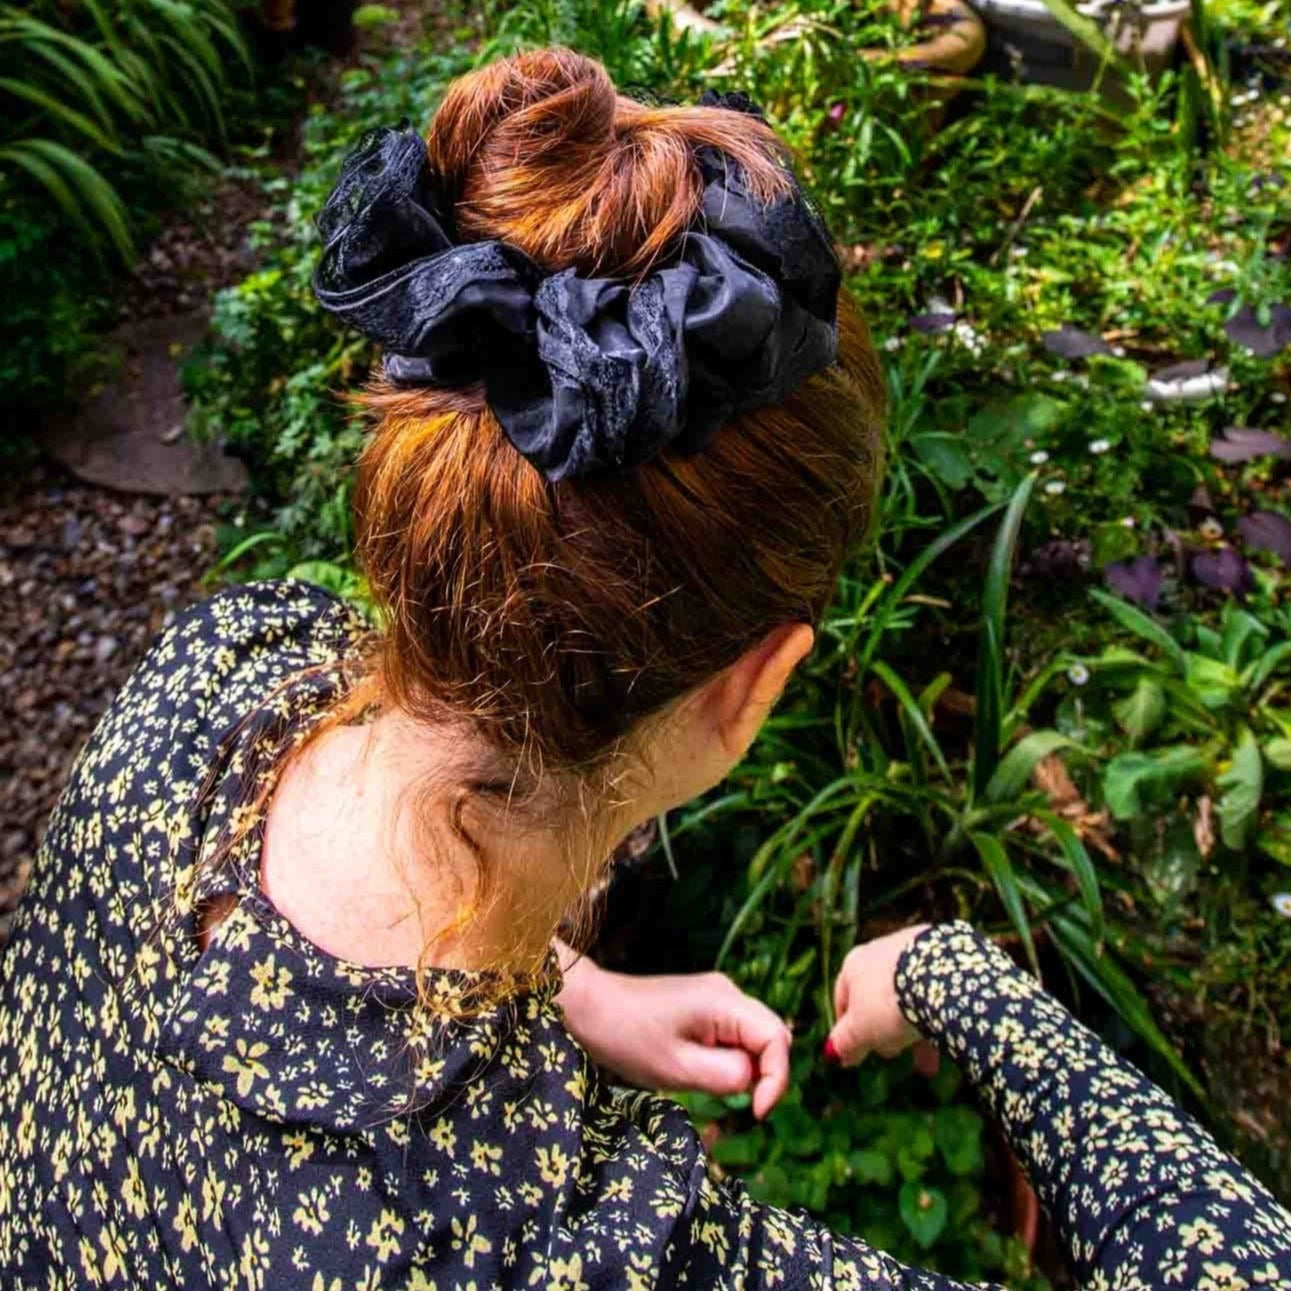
(584, 374)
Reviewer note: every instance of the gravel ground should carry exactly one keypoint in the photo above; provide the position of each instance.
(87, 579)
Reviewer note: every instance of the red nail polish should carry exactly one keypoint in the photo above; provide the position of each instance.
(831, 1051)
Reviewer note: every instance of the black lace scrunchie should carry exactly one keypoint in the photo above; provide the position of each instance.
(584, 374)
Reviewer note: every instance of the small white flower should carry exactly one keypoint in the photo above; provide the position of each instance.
(1281, 902)
(1129, 522)
(1147, 405)
(892, 344)
(1061, 375)
(1018, 253)
(1211, 529)
(1278, 397)
(1054, 487)
(1039, 457)
(1098, 446)
(1078, 674)
(1118, 351)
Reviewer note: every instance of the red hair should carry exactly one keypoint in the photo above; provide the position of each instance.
(553, 617)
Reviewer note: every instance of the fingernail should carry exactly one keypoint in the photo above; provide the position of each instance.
(831, 1051)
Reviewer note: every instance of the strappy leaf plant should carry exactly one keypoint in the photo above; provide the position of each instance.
(97, 90)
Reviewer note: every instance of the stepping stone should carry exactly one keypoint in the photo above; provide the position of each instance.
(129, 435)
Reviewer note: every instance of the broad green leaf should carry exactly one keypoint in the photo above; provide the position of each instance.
(1277, 753)
(739, 1151)
(1214, 683)
(1274, 840)
(870, 1166)
(923, 1211)
(1243, 786)
(958, 1133)
(945, 457)
(1141, 711)
(1128, 777)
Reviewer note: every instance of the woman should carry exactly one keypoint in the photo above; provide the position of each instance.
(281, 1008)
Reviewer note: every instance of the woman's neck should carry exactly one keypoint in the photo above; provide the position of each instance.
(364, 853)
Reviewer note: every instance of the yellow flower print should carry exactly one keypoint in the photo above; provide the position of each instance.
(134, 1192)
(320, 1285)
(485, 1157)
(561, 1275)
(185, 1223)
(467, 1239)
(272, 985)
(553, 1165)
(311, 1213)
(443, 1136)
(246, 1065)
(385, 1233)
(1203, 1235)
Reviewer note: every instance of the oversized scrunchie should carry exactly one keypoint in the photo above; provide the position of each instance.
(584, 374)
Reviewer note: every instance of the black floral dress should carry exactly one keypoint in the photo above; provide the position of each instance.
(262, 1115)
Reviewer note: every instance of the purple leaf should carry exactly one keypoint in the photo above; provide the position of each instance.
(1072, 343)
(1267, 531)
(1245, 328)
(1224, 570)
(1245, 444)
(935, 322)
(1182, 371)
(1137, 580)
(1224, 296)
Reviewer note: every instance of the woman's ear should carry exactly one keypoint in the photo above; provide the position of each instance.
(747, 691)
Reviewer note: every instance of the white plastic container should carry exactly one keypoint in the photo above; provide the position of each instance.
(1024, 40)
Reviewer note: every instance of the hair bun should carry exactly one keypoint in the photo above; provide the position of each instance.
(540, 151)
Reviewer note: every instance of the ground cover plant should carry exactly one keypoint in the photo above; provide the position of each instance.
(1054, 695)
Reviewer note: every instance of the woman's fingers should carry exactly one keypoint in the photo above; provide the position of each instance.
(713, 1069)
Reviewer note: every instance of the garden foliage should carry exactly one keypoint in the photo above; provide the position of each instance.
(109, 107)
(1053, 697)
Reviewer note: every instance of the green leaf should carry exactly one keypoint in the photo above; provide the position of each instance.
(945, 457)
(1243, 786)
(739, 1151)
(923, 1211)
(1147, 629)
(870, 1166)
(1142, 711)
(1015, 769)
(1215, 684)
(1274, 840)
(1277, 753)
(1128, 777)
(1097, 966)
(1081, 865)
(1000, 868)
(990, 651)
(958, 1133)
(913, 711)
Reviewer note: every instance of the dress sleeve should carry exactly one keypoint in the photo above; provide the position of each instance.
(1142, 1196)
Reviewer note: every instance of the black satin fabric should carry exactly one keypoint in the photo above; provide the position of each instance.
(584, 374)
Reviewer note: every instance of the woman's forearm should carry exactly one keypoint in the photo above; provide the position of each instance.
(1137, 1188)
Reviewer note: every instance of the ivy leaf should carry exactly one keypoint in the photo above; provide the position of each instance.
(923, 1211)
(1243, 786)
(958, 1132)
(871, 1166)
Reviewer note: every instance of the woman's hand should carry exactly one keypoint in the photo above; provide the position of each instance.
(869, 1019)
(692, 1032)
